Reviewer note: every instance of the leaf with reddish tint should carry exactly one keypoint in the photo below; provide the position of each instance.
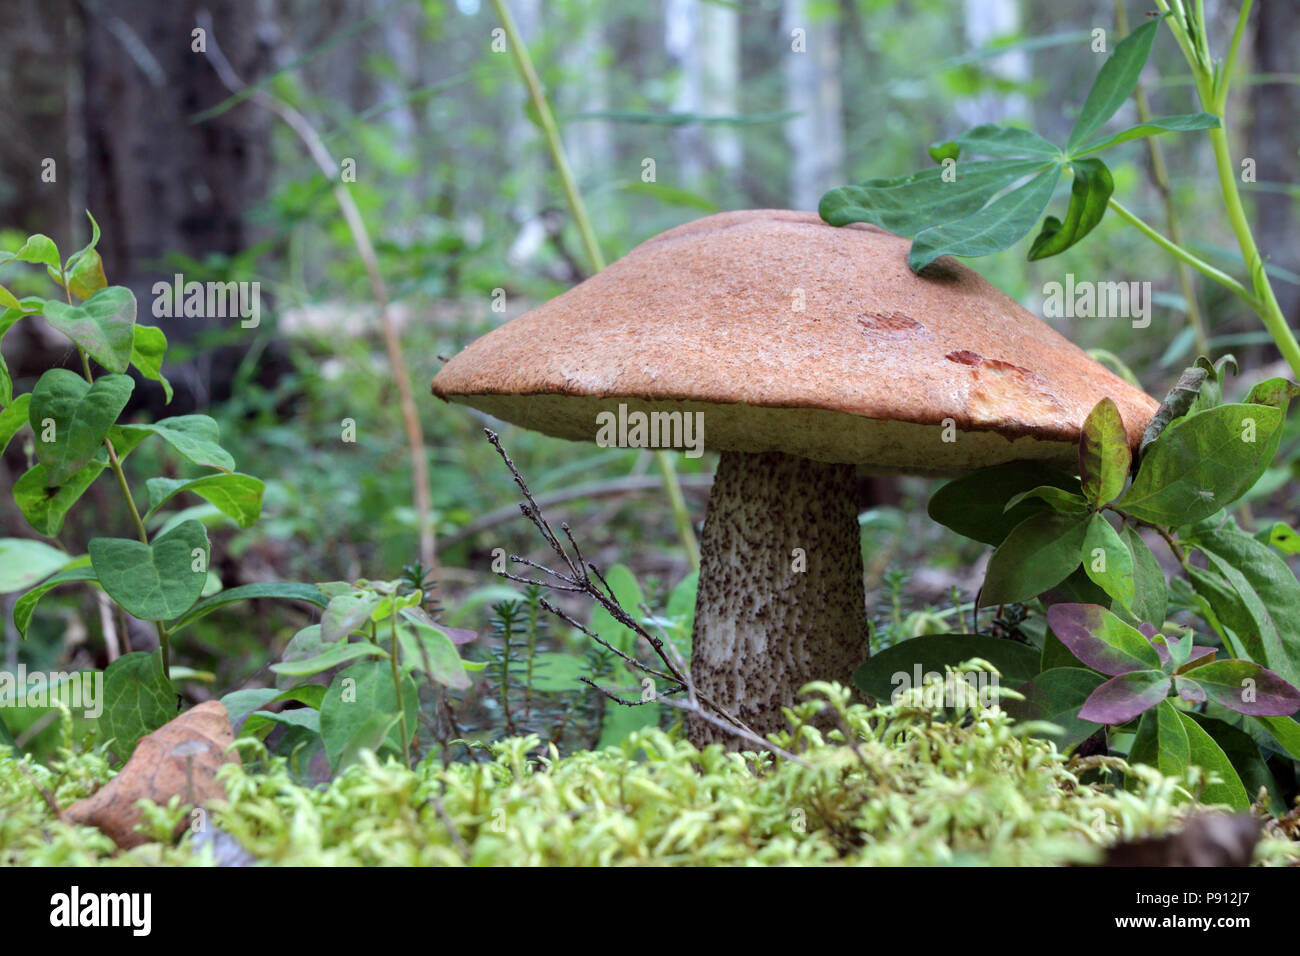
(1101, 640)
(1122, 698)
(1104, 455)
(1247, 688)
(1189, 690)
(1200, 656)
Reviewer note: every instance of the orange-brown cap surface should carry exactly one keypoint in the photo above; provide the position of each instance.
(792, 335)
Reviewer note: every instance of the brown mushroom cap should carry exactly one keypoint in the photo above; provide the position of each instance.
(707, 317)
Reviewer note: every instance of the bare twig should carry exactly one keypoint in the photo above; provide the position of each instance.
(366, 250)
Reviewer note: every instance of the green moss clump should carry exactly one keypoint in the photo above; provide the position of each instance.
(910, 789)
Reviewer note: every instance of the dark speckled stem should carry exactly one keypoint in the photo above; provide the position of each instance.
(780, 600)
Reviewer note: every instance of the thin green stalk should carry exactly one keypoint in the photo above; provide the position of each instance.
(1200, 265)
(397, 685)
(1161, 175)
(555, 145)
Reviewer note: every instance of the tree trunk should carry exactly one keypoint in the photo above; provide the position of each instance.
(812, 89)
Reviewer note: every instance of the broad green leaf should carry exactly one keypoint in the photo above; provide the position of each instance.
(77, 415)
(1179, 123)
(1285, 730)
(7, 319)
(1266, 614)
(1124, 696)
(1161, 741)
(1203, 463)
(240, 703)
(103, 326)
(908, 204)
(999, 225)
(1089, 194)
(1281, 536)
(76, 570)
(24, 562)
(148, 349)
(356, 696)
(156, 581)
(555, 672)
(197, 437)
(1038, 554)
(87, 276)
(7, 740)
(974, 505)
(1108, 561)
(10, 301)
(13, 418)
(332, 656)
(371, 736)
(1243, 753)
(39, 250)
(45, 504)
(426, 647)
(283, 590)
(239, 496)
(1150, 589)
(1114, 84)
(1058, 499)
(260, 723)
(88, 247)
(1247, 688)
(347, 612)
(1056, 696)
(138, 699)
(1276, 392)
(619, 720)
(1104, 456)
(989, 139)
(1101, 640)
(1205, 753)
(899, 668)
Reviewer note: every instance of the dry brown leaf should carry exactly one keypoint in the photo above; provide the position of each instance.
(180, 758)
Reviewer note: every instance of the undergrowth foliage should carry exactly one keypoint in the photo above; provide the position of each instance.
(903, 787)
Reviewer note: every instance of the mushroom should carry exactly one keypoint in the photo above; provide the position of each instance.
(807, 351)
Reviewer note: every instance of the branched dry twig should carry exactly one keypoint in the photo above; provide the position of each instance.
(577, 578)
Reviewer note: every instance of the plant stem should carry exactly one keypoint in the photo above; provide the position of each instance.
(397, 686)
(1200, 265)
(1160, 173)
(555, 145)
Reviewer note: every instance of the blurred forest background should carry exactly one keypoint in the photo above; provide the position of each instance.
(669, 110)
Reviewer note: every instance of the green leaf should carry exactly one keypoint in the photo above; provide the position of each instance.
(7, 740)
(974, 505)
(1114, 84)
(429, 648)
(197, 437)
(347, 612)
(88, 247)
(13, 418)
(103, 326)
(908, 204)
(81, 415)
(990, 139)
(999, 225)
(39, 250)
(1204, 752)
(284, 590)
(1058, 499)
(1276, 392)
(332, 656)
(87, 276)
(1180, 123)
(555, 672)
(355, 697)
(238, 496)
(76, 570)
(1101, 640)
(1285, 730)
(139, 699)
(1266, 613)
(148, 349)
(156, 581)
(1056, 696)
(1202, 463)
(1150, 589)
(1243, 753)
(628, 594)
(24, 562)
(1161, 741)
(45, 504)
(1178, 402)
(895, 668)
(240, 703)
(10, 301)
(1089, 194)
(1108, 561)
(1038, 554)
(1104, 455)
(7, 319)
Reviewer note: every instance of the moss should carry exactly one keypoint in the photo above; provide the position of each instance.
(911, 789)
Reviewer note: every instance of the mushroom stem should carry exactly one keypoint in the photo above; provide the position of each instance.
(780, 600)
